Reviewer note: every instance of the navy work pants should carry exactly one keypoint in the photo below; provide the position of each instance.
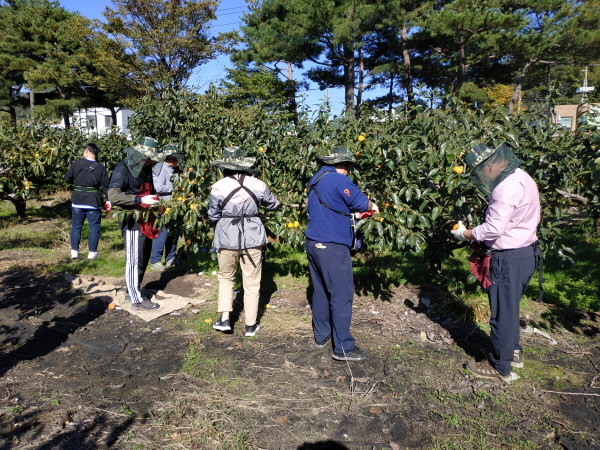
(165, 241)
(510, 272)
(330, 267)
(78, 216)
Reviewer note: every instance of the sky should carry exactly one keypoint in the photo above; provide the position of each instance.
(229, 15)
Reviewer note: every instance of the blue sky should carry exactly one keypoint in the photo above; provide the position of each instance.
(229, 15)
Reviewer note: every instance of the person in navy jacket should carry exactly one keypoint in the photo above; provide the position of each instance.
(332, 201)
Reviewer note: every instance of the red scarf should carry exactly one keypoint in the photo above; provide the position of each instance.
(147, 228)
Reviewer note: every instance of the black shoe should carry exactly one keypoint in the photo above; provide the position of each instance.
(146, 304)
(323, 343)
(222, 325)
(251, 330)
(356, 354)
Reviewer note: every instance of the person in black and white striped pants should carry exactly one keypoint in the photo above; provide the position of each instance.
(131, 187)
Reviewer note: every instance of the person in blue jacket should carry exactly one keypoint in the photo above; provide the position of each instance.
(332, 200)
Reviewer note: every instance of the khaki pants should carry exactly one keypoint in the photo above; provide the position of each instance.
(228, 260)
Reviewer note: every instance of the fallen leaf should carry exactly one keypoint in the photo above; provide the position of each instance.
(280, 419)
(394, 446)
(374, 410)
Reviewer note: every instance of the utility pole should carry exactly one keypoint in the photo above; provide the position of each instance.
(585, 88)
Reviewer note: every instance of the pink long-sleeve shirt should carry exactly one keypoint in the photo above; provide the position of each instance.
(513, 214)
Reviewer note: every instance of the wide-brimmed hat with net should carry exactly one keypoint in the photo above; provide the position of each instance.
(490, 166)
(233, 160)
(173, 151)
(337, 155)
(138, 154)
(478, 154)
(149, 148)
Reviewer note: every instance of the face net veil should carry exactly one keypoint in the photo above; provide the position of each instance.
(135, 161)
(496, 168)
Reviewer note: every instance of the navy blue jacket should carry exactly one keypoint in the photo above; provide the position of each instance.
(341, 194)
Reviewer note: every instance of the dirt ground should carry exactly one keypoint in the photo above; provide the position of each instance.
(75, 375)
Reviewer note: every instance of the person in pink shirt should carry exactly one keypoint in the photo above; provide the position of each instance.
(510, 234)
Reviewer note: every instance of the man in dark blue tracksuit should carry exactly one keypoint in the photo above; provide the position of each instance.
(332, 200)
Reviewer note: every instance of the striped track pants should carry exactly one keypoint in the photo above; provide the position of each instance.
(137, 254)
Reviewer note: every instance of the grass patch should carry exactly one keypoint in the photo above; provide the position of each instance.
(196, 364)
(576, 285)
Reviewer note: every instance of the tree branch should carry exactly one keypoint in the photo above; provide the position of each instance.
(565, 194)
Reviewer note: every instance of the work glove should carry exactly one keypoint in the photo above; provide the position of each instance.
(458, 233)
(374, 208)
(150, 200)
(107, 206)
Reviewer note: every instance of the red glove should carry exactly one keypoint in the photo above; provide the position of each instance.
(363, 215)
(107, 206)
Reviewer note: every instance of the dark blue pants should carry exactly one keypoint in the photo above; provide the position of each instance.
(510, 272)
(165, 241)
(78, 215)
(330, 268)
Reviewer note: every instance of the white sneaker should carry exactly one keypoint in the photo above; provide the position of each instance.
(92, 255)
(74, 254)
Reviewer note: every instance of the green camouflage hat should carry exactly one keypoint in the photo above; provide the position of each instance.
(233, 160)
(149, 148)
(338, 154)
(173, 151)
(479, 153)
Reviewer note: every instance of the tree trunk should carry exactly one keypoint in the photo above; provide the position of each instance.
(349, 79)
(31, 99)
(361, 83)
(462, 69)
(410, 96)
(113, 116)
(292, 90)
(66, 118)
(517, 93)
(20, 206)
(13, 116)
(391, 94)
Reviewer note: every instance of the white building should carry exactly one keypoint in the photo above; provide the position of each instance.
(99, 120)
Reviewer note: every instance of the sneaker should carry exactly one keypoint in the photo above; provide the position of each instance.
(74, 254)
(251, 330)
(158, 266)
(92, 255)
(171, 263)
(222, 325)
(356, 354)
(517, 361)
(146, 304)
(485, 370)
(145, 295)
(323, 343)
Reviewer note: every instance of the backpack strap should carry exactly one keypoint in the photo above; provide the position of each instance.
(236, 190)
(539, 264)
(241, 218)
(313, 187)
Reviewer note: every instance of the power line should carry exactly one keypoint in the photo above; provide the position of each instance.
(228, 14)
(225, 24)
(235, 7)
